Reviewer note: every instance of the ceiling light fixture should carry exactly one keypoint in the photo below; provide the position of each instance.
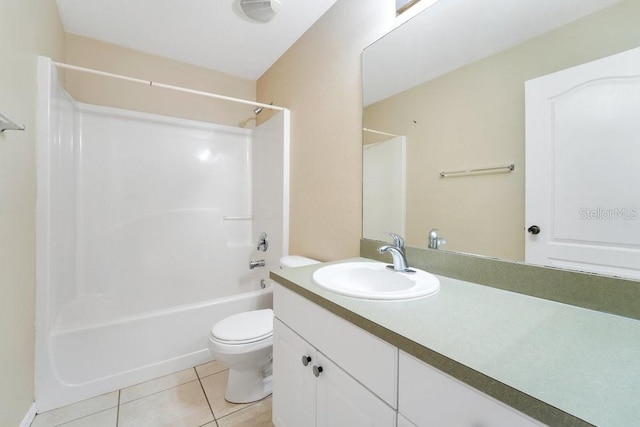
(260, 10)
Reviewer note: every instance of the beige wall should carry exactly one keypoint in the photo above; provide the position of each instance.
(107, 57)
(474, 117)
(27, 28)
(318, 78)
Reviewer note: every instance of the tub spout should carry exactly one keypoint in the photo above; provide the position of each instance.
(254, 264)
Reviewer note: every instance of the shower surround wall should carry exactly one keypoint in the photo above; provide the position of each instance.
(145, 226)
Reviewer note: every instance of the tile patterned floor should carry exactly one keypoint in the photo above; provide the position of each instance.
(190, 398)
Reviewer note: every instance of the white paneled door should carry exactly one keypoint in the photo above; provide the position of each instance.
(583, 167)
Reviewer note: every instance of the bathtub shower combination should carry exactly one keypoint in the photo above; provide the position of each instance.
(145, 228)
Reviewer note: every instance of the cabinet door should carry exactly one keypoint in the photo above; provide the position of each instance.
(342, 401)
(403, 422)
(294, 386)
(370, 360)
(429, 397)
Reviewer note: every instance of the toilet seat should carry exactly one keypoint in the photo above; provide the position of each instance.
(244, 342)
(244, 328)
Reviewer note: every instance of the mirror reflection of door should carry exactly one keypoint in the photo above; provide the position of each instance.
(582, 157)
(384, 188)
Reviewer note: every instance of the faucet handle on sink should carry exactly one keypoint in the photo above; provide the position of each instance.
(434, 240)
(398, 241)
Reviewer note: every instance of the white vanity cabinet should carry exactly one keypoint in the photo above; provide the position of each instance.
(322, 393)
(364, 381)
(429, 397)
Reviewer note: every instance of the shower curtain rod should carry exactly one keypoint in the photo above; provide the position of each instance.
(379, 132)
(166, 86)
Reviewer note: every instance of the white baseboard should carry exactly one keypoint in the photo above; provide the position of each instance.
(28, 418)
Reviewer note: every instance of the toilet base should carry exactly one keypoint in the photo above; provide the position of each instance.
(249, 385)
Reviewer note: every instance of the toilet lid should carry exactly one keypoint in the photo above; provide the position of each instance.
(245, 327)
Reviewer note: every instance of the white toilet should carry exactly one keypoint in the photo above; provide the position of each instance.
(244, 342)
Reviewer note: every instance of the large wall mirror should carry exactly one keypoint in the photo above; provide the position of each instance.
(451, 99)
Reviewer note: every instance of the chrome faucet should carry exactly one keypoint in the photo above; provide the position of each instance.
(399, 261)
(434, 241)
(397, 253)
(263, 242)
(398, 241)
(254, 264)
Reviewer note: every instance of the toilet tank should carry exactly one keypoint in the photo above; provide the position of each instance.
(296, 261)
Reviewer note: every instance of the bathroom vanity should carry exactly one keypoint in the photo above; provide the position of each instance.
(469, 355)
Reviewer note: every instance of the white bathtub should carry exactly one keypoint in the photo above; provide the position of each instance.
(96, 359)
(145, 226)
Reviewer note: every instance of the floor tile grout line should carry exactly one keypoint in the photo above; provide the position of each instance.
(118, 411)
(205, 376)
(119, 403)
(156, 379)
(84, 416)
(207, 399)
(156, 392)
(210, 375)
(248, 405)
(103, 395)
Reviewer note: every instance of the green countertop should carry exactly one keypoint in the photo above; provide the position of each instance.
(561, 364)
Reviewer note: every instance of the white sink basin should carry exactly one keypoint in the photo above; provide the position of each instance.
(373, 280)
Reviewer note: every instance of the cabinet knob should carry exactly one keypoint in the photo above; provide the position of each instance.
(317, 370)
(306, 359)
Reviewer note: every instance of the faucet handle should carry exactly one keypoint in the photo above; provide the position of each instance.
(435, 241)
(398, 241)
(263, 242)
